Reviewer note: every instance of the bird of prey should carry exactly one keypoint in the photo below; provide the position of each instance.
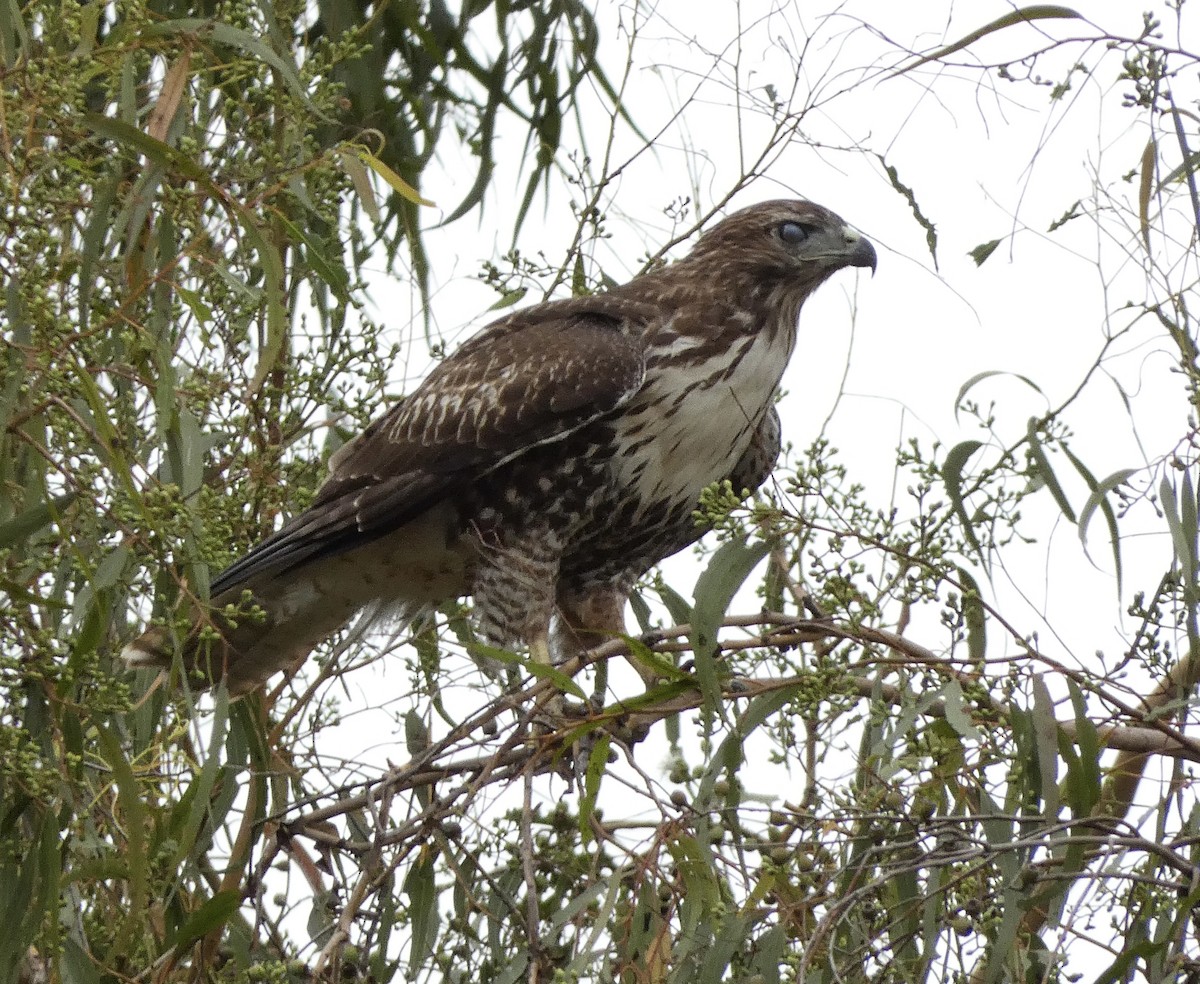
(545, 465)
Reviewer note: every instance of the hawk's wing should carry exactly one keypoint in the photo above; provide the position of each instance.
(529, 380)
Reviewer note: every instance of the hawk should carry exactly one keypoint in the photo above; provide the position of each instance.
(546, 464)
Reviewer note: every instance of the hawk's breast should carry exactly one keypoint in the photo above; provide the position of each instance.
(695, 417)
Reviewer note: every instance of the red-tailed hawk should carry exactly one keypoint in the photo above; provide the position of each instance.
(546, 464)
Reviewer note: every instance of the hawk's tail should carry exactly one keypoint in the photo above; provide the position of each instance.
(243, 650)
(212, 650)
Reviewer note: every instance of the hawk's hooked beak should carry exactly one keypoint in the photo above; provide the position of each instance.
(859, 251)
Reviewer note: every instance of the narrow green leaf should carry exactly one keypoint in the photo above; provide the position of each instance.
(422, 909)
(583, 899)
(487, 164)
(362, 184)
(952, 469)
(729, 939)
(130, 799)
(541, 671)
(597, 760)
(416, 738)
(331, 273)
(1183, 540)
(1188, 522)
(1083, 776)
(509, 298)
(514, 968)
(1042, 11)
(770, 953)
(14, 36)
(1124, 967)
(1146, 188)
(382, 968)
(166, 157)
(416, 734)
(1042, 461)
(956, 713)
(17, 899)
(51, 855)
(195, 805)
(1191, 164)
(200, 311)
(904, 910)
(89, 22)
(212, 915)
(1185, 534)
(273, 287)
(579, 285)
(728, 568)
(644, 924)
(981, 376)
(194, 446)
(35, 518)
(77, 966)
(99, 226)
(1003, 938)
(675, 604)
(90, 622)
(322, 917)
(658, 662)
(110, 569)
(1099, 500)
(975, 614)
(235, 37)
(699, 879)
(398, 184)
(18, 335)
(1046, 738)
(654, 696)
(556, 676)
(762, 708)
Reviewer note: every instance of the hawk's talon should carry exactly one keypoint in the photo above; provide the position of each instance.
(573, 710)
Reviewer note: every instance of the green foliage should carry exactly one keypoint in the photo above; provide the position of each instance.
(869, 768)
(177, 188)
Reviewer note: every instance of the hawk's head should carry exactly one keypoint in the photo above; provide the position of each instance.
(787, 239)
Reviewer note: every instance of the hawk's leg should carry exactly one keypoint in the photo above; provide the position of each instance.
(556, 712)
(514, 595)
(590, 616)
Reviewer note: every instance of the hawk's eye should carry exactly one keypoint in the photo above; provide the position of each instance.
(793, 233)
